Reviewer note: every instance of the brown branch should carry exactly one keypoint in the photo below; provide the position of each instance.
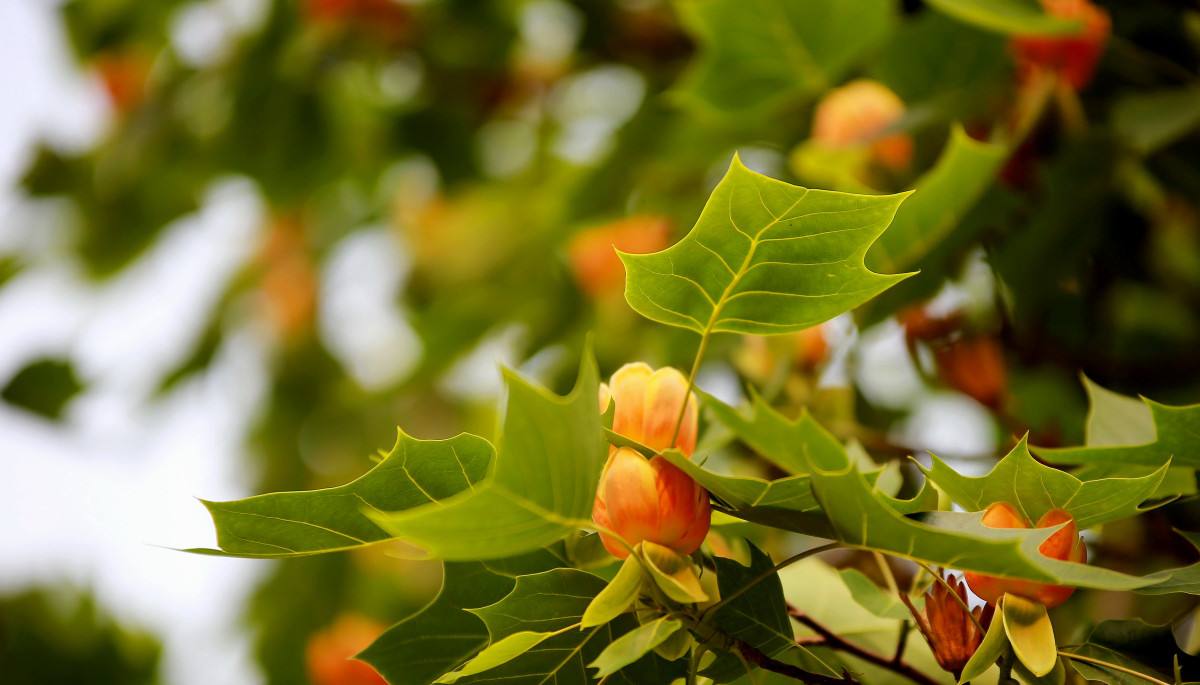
(836, 642)
(758, 658)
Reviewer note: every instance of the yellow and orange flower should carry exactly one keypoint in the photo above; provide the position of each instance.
(1073, 58)
(1065, 545)
(643, 499)
(330, 653)
(856, 114)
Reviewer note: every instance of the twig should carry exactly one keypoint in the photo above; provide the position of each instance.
(758, 658)
(901, 642)
(836, 642)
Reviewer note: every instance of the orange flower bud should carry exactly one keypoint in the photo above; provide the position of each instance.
(811, 347)
(1065, 544)
(593, 256)
(649, 500)
(642, 499)
(648, 404)
(856, 114)
(952, 636)
(330, 653)
(975, 366)
(125, 77)
(1072, 57)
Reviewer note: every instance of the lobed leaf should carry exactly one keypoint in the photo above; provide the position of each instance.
(758, 54)
(1006, 16)
(634, 645)
(1034, 489)
(765, 257)
(543, 480)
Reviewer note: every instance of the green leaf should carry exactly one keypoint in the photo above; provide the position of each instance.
(1176, 439)
(1006, 16)
(1185, 579)
(1029, 632)
(541, 485)
(877, 600)
(965, 169)
(1034, 489)
(43, 387)
(758, 615)
(287, 524)
(765, 257)
(779, 440)
(673, 574)
(634, 645)
(989, 651)
(426, 645)
(758, 54)
(1150, 121)
(1096, 663)
(498, 653)
(556, 601)
(616, 598)
(862, 517)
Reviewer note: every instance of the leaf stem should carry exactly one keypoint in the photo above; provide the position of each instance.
(694, 663)
(838, 643)
(1110, 665)
(691, 382)
(768, 573)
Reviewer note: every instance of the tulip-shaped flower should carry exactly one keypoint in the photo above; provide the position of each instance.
(1065, 544)
(1073, 57)
(856, 114)
(650, 499)
(952, 633)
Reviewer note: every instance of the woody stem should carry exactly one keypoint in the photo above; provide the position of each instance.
(836, 642)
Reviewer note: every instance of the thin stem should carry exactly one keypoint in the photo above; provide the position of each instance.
(836, 642)
(768, 573)
(753, 655)
(1110, 665)
(901, 642)
(691, 384)
(886, 570)
(694, 663)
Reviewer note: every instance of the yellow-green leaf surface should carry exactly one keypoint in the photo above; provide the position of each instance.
(673, 574)
(414, 473)
(1006, 16)
(1034, 489)
(617, 597)
(634, 645)
(1030, 633)
(965, 169)
(541, 485)
(499, 652)
(764, 257)
(988, 652)
(1176, 439)
(757, 54)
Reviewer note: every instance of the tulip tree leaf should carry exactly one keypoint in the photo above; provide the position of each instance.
(443, 635)
(1029, 632)
(773, 436)
(634, 645)
(868, 595)
(758, 615)
(1092, 662)
(1176, 440)
(673, 574)
(862, 517)
(1006, 16)
(553, 603)
(965, 169)
(988, 652)
(1184, 580)
(541, 485)
(1116, 419)
(1034, 489)
(758, 54)
(287, 524)
(765, 257)
(616, 598)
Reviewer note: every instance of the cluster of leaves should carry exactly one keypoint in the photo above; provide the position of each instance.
(1058, 210)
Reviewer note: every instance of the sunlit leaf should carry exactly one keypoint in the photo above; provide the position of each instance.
(1034, 489)
(757, 54)
(634, 645)
(764, 257)
(414, 473)
(1006, 16)
(988, 652)
(540, 487)
(617, 597)
(942, 197)
(498, 653)
(1176, 439)
(1029, 632)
